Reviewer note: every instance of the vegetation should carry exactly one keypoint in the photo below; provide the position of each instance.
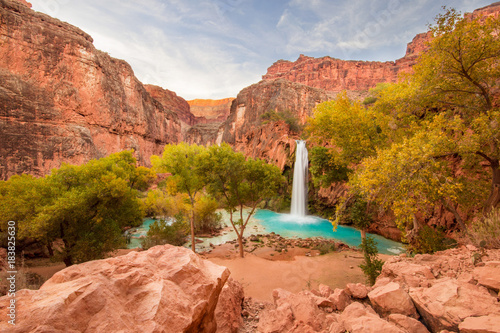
(238, 183)
(164, 232)
(182, 161)
(287, 116)
(426, 140)
(371, 266)
(86, 206)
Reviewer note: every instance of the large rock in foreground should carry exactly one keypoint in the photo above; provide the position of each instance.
(165, 289)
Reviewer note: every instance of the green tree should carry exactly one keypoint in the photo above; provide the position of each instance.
(183, 161)
(372, 266)
(239, 183)
(85, 206)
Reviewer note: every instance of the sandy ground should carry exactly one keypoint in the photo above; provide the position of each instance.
(260, 276)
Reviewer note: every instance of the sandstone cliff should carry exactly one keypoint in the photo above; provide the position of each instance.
(173, 103)
(210, 110)
(62, 100)
(247, 131)
(337, 75)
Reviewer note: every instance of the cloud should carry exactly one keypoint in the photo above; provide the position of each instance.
(214, 48)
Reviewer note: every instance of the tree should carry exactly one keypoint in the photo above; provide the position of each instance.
(85, 206)
(239, 183)
(350, 131)
(372, 266)
(183, 161)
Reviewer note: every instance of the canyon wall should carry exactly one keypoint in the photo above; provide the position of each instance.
(210, 110)
(247, 131)
(62, 100)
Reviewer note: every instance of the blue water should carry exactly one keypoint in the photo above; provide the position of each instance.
(288, 225)
(138, 232)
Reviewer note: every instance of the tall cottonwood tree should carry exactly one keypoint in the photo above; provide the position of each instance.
(183, 162)
(239, 183)
(443, 114)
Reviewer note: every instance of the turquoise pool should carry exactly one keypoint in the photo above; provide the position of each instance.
(288, 225)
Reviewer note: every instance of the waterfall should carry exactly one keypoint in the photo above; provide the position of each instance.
(299, 188)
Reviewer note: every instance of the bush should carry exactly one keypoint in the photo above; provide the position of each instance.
(206, 219)
(372, 266)
(487, 230)
(325, 248)
(287, 116)
(430, 240)
(163, 232)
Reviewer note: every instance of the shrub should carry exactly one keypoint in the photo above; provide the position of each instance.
(487, 230)
(206, 219)
(325, 248)
(287, 116)
(372, 266)
(430, 240)
(162, 232)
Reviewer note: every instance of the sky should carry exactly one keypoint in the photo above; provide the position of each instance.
(214, 48)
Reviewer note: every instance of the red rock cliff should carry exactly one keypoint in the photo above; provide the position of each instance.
(336, 75)
(210, 110)
(62, 100)
(245, 130)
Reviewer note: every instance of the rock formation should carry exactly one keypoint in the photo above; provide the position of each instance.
(246, 129)
(62, 100)
(165, 289)
(337, 75)
(172, 103)
(428, 293)
(210, 110)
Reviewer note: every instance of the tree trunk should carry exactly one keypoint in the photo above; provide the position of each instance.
(240, 242)
(455, 213)
(68, 260)
(494, 198)
(363, 234)
(193, 244)
(50, 249)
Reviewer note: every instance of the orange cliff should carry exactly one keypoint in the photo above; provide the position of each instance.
(62, 100)
(210, 110)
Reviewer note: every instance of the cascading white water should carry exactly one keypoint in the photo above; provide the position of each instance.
(299, 187)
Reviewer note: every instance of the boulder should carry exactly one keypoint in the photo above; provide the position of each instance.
(448, 302)
(356, 290)
(294, 313)
(406, 273)
(228, 310)
(484, 324)
(166, 288)
(392, 299)
(325, 290)
(358, 318)
(406, 323)
(488, 275)
(339, 299)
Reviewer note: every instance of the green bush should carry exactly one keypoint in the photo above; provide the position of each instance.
(486, 230)
(206, 219)
(161, 232)
(372, 266)
(325, 248)
(287, 116)
(430, 240)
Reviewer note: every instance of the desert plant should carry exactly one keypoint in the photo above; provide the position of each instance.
(486, 230)
(430, 240)
(372, 266)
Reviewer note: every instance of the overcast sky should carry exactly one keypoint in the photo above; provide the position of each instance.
(214, 48)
